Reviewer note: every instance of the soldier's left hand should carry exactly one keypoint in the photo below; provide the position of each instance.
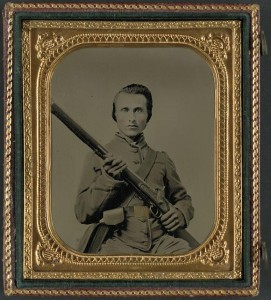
(172, 219)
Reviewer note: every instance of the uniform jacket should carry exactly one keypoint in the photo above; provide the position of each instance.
(99, 192)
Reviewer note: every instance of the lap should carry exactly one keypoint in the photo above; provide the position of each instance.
(165, 245)
(168, 244)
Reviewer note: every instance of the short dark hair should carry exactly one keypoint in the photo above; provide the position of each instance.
(135, 89)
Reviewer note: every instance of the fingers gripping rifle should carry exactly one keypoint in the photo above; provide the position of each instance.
(149, 196)
(157, 205)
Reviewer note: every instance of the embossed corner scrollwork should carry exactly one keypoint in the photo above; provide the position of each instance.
(50, 47)
(220, 44)
(217, 255)
(47, 44)
(45, 255)
(52, 51)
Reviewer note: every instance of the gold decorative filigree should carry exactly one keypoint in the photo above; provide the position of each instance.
(28, 150)
(50, 58)
(133, 7)
(143, 276)
(8, 206)
(218, 255)
(255, 149)
(47, 44)
(237, 145)
(9, 260)
(132, 25)
(220, 43)
(46, 256)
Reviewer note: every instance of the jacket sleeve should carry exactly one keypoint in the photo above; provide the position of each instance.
(97, 191)
(175, 191)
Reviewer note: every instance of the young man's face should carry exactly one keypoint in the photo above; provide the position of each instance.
(131, 113)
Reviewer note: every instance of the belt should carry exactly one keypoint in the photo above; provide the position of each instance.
(138, 211)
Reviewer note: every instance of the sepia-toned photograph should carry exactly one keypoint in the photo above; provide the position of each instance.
(132, 149)
(152, 110)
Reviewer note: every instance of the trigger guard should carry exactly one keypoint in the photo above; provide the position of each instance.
(155, 212)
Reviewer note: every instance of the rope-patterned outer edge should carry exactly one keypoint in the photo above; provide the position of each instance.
(8, 238)
(8, 232)
(129, 6)
(255, 199)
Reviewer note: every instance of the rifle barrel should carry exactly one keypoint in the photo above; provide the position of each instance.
(139, 185)
(78, 131)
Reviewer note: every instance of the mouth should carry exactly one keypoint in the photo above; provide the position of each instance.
(132, 126)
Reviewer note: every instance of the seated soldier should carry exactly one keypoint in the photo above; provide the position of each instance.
(103, 194)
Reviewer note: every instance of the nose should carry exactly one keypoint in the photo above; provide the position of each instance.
(132, 117)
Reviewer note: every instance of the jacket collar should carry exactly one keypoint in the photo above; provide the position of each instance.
(138, 142)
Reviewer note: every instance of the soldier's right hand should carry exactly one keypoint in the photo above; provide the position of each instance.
(114, 166)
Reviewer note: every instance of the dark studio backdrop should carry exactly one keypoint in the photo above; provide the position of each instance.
(265, 289)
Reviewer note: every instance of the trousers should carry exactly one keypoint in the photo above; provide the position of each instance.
(164, 245)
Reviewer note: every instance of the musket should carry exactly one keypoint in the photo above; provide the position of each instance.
(158, 205)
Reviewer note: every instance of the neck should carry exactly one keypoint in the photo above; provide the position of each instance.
(133, 139)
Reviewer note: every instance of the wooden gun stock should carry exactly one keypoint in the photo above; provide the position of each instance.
(149, 196)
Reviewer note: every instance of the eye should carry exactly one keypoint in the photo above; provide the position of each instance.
(125, 109)
(139, 109)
